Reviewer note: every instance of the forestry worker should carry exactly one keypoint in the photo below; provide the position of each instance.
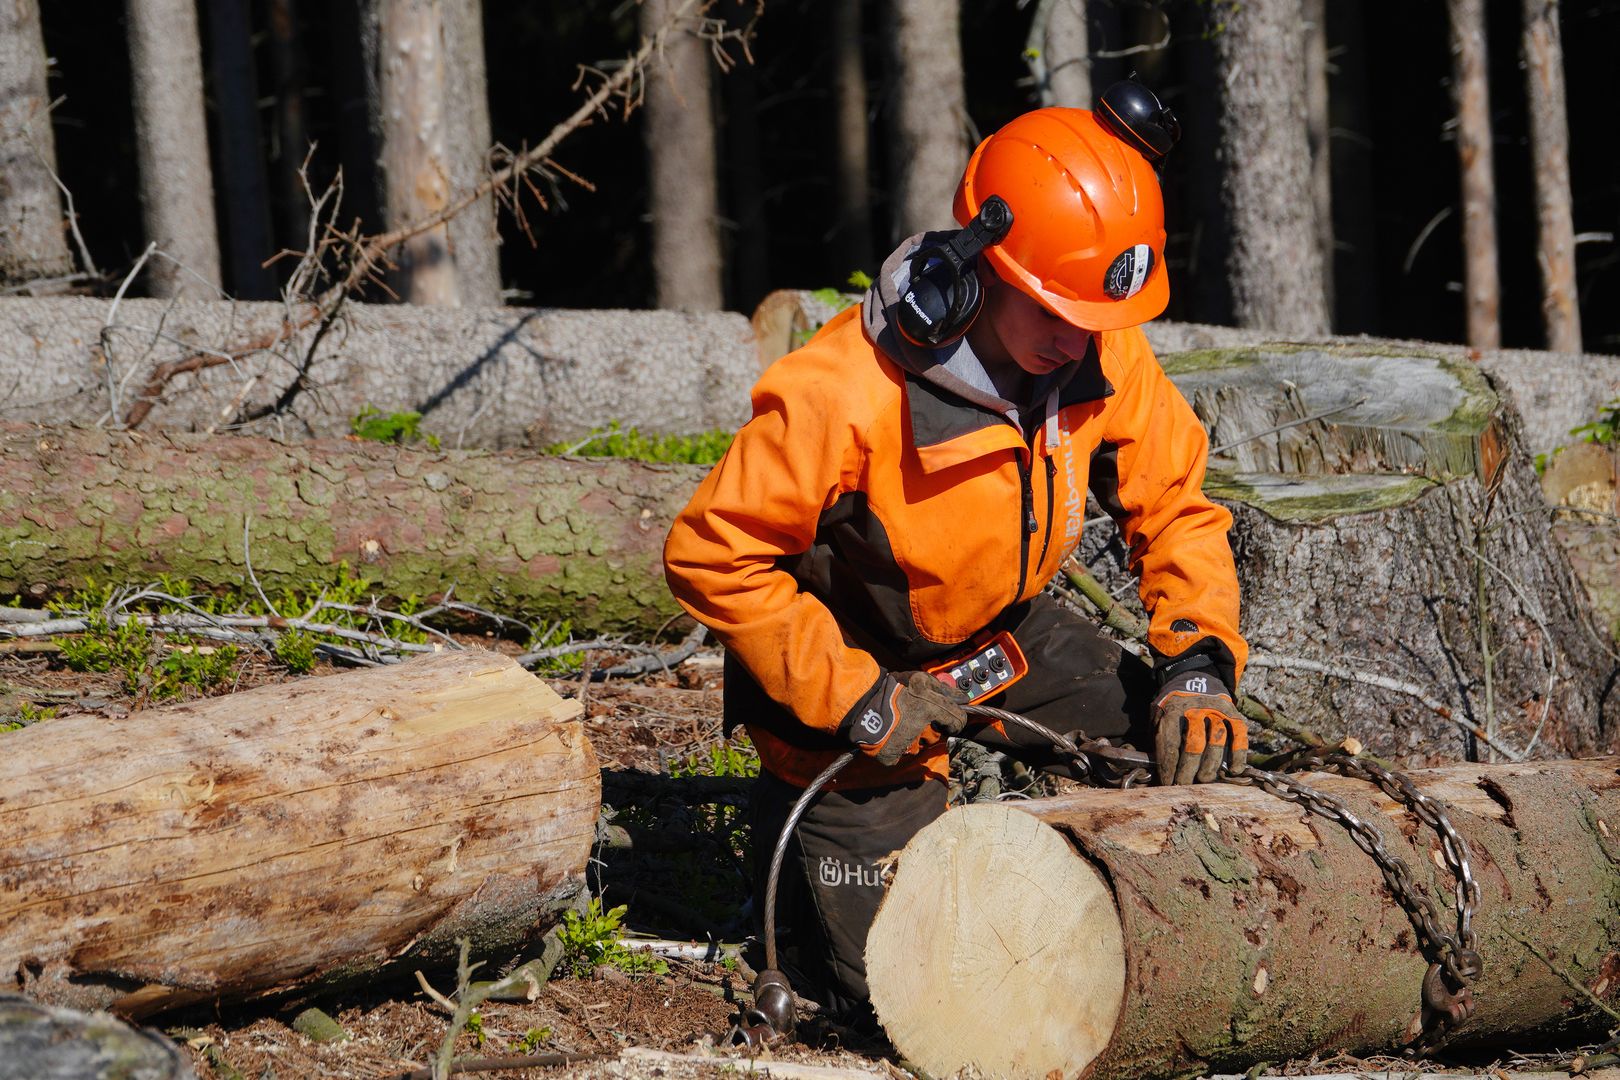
(912, 479)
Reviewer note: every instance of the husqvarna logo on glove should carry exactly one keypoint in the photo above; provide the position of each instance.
(872, 721)
(1197, 684)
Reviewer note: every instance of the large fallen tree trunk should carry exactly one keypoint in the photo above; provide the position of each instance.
(1400, 579)
(480, 376)
(553, 537)
(1172, 931)
(307, 834)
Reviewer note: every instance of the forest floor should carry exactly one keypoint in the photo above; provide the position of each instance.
(668, 727)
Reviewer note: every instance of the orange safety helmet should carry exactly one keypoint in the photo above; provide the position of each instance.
(1087, 239)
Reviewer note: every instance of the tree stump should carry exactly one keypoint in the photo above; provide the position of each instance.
(318, 832)
(1388, 529)
(1185, 930)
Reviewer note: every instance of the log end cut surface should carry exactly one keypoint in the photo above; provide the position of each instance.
(996, 947)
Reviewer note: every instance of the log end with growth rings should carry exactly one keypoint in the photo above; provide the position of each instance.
(1006, 954)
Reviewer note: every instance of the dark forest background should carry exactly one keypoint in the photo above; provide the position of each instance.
(1394, 163)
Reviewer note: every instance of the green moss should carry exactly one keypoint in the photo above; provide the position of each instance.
(1185, 363)
(1317, 499)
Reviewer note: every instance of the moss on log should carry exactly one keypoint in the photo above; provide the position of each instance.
(551, 537)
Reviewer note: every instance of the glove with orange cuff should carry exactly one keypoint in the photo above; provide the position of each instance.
(1199, 728)
(889, 721)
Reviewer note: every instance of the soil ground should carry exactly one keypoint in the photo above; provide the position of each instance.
(662, 724)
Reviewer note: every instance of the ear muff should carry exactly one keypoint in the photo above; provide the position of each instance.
(944, 295)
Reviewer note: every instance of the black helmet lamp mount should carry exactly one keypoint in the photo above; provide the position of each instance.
(1135, 116)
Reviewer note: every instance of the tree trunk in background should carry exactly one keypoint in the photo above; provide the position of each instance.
(1318, 127)
(474, 238)
(359, 823)
(749, 269)
(1275, 262)
(241, 154)
(854, 229)
(171, 136)
(1058, 53)
(413, 88)
(1355, 230)
(681, 166)
(1186, 931)
(1471, 96)
(290, 142)
(33, 244)
(930, 143)
(1549, 149)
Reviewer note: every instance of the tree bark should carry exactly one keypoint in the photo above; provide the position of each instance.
(1275, 263)
(241, 153)
(1404, 542)
(1549, 149)
(33, 245)
(474, 237)
(683, 185)
(1318, 128)
(1058, 53)
(320, 831)
(171, 141)
(413, 92)
(1205, 929)
(45, 1043)
(930, 122)
(291, 142)
(853, 150)
(1471, 96)
(557, 538)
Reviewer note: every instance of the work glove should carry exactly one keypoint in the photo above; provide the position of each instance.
(1199, 727)
(900, 709)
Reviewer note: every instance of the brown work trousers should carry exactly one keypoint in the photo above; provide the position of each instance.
(831, 883)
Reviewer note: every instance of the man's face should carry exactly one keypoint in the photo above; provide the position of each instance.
(1025, 333)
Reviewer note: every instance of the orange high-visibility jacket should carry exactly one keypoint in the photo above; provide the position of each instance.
(865, 514)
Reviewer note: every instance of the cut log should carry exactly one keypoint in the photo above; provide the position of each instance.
(1389, 528)
(559, 539)
(1175, 931)
(305, 835)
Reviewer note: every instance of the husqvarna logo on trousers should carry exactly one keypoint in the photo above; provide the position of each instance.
(834, 873)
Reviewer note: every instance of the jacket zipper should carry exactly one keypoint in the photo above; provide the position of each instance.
(1027, 528)
(1051, 484)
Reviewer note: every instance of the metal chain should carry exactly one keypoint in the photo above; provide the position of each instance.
(1455, 961)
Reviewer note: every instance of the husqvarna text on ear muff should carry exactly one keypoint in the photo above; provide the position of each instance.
(944, 295)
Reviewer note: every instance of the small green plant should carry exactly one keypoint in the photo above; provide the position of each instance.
(192, 667)
(1605, 430)
(395, 427)
(738, 758)
(705, 448)
(296, 650)
(125, 649)
(27, 715)
(475, 1028)
(534, 1039)
(555, 636)
(594, 938)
